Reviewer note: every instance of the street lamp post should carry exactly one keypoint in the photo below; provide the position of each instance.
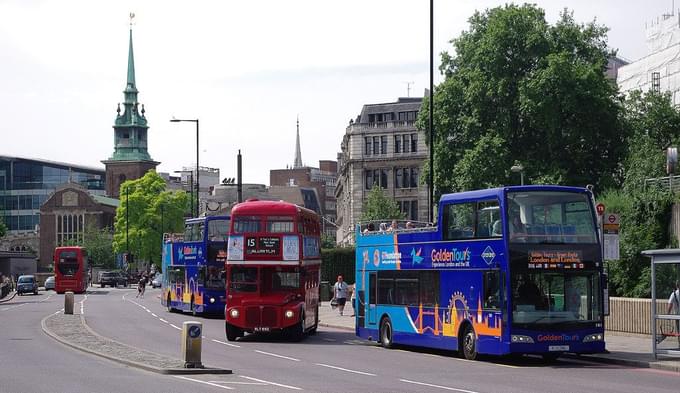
(519, 168)
(127, 220)
(198, 186)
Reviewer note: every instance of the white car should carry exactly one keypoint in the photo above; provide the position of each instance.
(49, 283)
(157, 281)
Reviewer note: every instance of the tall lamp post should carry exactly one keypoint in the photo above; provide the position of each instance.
(519, 168)
(198, 184)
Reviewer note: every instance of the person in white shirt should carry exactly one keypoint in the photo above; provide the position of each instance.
(674, 305)
(340, 290)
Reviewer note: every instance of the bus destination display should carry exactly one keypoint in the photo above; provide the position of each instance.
(264, 245)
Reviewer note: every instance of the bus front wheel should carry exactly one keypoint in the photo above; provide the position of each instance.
(469, 343)
(232, 332)
(386, 333)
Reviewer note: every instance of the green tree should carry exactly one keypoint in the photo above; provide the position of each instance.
(380, 207)
(147, 202)
(3, 228)
(519, 89)
(653, 124)
(99, 245)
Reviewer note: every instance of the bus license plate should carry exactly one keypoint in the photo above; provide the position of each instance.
(261, 329)
(558, 348)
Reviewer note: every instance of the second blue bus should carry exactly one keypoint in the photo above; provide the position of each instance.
(193, 266)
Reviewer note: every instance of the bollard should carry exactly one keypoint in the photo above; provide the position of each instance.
(68, 303)
(192, 332)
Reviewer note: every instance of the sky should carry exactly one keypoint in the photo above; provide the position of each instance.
(246, 69)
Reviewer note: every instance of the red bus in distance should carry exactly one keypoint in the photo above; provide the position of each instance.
(70, 269)
(273, 270)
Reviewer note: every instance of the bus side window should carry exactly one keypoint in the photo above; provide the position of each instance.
(492, 290)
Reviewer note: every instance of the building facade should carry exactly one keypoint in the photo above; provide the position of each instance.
(381, 148)
(130, 158)
(660, 69)
(25, 184)
(67, 214)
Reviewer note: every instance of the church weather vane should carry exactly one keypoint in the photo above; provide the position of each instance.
(132, 19)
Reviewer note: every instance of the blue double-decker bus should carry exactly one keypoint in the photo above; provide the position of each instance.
(194, 266)
(512, 270)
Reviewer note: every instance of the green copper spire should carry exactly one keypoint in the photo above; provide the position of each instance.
(131, 87)
(130, 128)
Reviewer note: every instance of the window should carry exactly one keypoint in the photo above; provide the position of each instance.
(414, 210)
(397, 143)
(492, 290)
(414, 177)
(408, 288)
(459, 221)
(414, 143)
(243, 279)
(383, 144)
(367, 149)
(407, 143)
(398, 178)
(280, 224)
(429, 288)
(246, 224)
(402, 116)
(376, 144)
(369, 179)
(218, 230)
(386, 288)
(489, 222)
(176, 275)
(383, 178)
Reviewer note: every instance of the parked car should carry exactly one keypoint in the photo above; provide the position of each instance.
(111, 279)
(27, 284)
(157, 281)
(49, 283)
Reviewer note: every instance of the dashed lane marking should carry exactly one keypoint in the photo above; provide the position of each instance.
(345, 369)
(162, 320)
(204, 382)
(154, 315)
(176, 327)
(239, 383)
(438, 386)
(227, 344)
(271, 383)
(277, 356)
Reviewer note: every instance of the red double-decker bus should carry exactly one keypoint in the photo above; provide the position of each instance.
(70, 269)
(273, 263)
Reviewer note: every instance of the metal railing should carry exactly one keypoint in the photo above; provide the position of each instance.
(669, 182)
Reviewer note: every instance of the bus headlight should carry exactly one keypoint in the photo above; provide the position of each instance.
(519, 339)
(289, 314)
(212, 300)
(593, 337)
(233, 313)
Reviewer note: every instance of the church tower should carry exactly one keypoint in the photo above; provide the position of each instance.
(130, 159)
(298, 155)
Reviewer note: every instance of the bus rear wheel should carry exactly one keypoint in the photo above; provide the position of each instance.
(386, 333)
(469, 343)
(168, 305)
(232, 332)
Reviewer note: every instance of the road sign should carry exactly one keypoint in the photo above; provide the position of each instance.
(600, 209)
(612, 218)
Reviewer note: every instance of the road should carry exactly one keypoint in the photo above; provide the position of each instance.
(331, 361)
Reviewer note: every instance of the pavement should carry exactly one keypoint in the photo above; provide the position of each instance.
(72, 330)
(623, 349)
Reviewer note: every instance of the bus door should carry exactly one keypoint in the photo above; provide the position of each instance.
(372, 298)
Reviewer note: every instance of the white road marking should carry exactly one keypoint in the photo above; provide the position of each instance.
(162, 320)
(438, 386)
(278, 356)
(227, 344)
(239, 383)
(204, 382)
(345, 369)
(271, 383)
(82, 305)
(176, 327)
(154, 315)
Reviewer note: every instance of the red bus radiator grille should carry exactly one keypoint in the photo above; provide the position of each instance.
(261, 316)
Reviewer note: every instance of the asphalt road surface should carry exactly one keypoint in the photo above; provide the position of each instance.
(331, 361)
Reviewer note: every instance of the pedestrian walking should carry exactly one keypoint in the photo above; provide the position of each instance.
(674, 306)
(340, 290)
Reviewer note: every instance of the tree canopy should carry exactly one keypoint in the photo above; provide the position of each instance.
(379, 207)
(98, 243)
(521, 90)
(148, 203)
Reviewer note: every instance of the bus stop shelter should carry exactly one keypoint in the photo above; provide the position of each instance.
(668, 256)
